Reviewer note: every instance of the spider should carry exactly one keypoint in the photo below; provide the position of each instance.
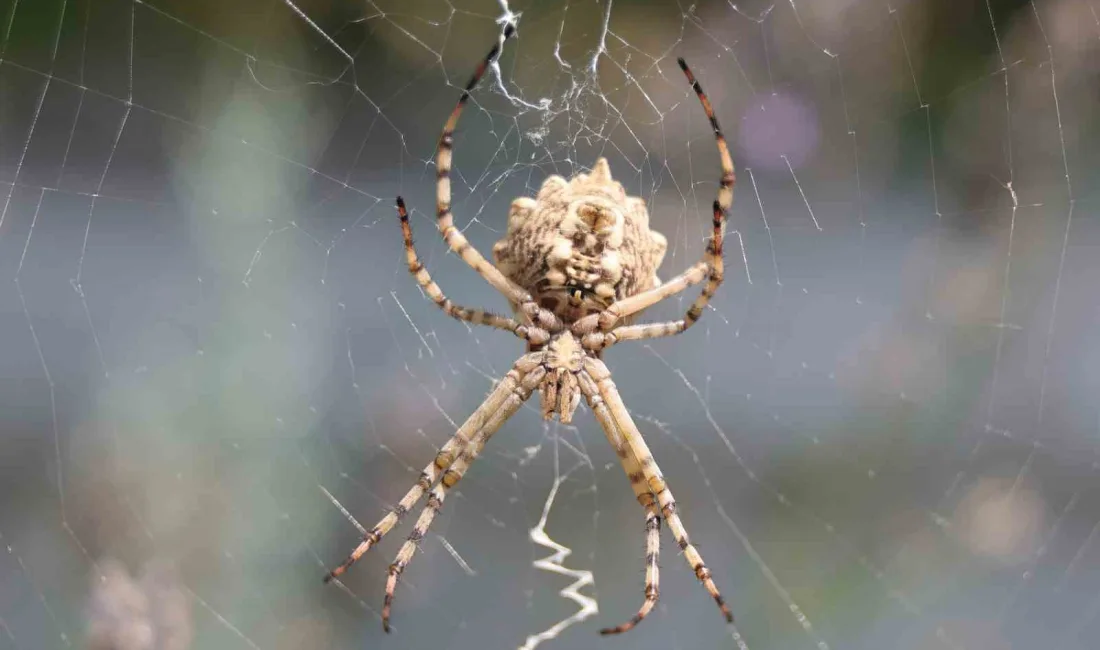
(577, 264)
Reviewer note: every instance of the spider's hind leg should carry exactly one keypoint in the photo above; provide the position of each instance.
(454, 238)
(532, 335)
(709, 268)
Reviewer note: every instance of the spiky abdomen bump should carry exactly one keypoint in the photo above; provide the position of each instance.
(580, 244)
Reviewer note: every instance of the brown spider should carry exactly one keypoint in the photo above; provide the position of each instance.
(577, 264)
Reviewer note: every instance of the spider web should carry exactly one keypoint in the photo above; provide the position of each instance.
(883, 433)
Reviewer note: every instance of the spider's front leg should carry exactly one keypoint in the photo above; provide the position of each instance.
(522, 381)
(641, 492)
(496, 402)
(622, 432)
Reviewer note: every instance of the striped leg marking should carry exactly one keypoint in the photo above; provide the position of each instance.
(645, 497)
(442, 461)
(632, 438)
(715, 273)
(456, 241)
(709, 268)
(519, 389)
(431, 289)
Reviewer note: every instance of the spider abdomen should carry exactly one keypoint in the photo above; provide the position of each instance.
(580, 244)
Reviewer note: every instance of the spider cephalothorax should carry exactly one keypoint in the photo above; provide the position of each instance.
(560, 388)
(577, 264)
(580, 244)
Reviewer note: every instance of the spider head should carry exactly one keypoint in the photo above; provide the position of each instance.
(560, 389)
(580, 244)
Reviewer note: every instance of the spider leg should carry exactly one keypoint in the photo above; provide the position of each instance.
(711, 265)
(456, 241)
(628, 432)
(644, 495)
(443, 460)
(474, 316)
(631, 305)
(670, 328)
(519, 385)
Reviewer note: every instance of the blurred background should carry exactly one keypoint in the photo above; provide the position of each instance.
(885, 433)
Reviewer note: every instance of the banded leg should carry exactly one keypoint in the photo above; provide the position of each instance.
(520, 389)
(644, 496)
(628, 431)
(456, 241)
(442, 461)
(639, 301)
(711, 264)
(714, 279)
(432, 290)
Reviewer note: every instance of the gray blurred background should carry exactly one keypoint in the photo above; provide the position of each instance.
(884, 435)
